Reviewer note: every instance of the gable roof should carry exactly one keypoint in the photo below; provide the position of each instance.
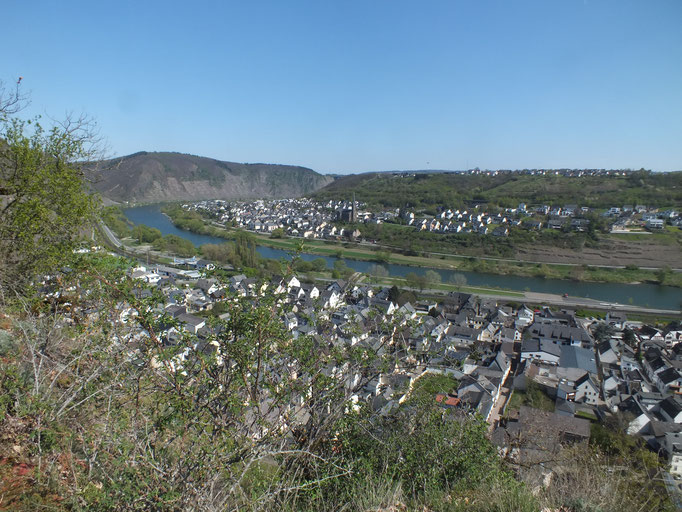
(671, 406)
(669, 375)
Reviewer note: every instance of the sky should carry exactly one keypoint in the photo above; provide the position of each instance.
(345, 86)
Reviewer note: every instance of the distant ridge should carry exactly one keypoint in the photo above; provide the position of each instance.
(145, 177)
(597, 188)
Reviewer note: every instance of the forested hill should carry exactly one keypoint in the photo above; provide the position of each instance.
(508, 189)
(156, 177)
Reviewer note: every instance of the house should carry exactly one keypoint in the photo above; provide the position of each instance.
(672, 338)
(447, 401)
(533, 224)
(587, 390)
(616, 319)
(555, 224)
(608, 356)
(578, 357)
(668, 380)
(208, 286)
(191, 323)
(655, 224)
(545, 351)
(524, 317)
(535, 434)
(671, 409)
(672, 447)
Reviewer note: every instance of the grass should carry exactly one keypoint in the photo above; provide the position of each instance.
(590, 313)
(426, 387)
(654, 319)
(586, 415)
(532, 397)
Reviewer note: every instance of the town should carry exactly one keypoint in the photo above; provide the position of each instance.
(538, 376)
(312, 219)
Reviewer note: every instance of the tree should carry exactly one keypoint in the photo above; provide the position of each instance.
(662, 273)
(603, 332)
(630, 338)
(341, 270)
(44, 203)
(415, 280)
(378, 272)
(432, 277)
(146, 234)
(394, 293)
(11, 100)
(382, 256)
(458, 280)
(319, 264)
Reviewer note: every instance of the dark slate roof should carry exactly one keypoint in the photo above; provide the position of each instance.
(669, 375)
(536, 345)
(191, 319)
(671, 406)
(578, 357)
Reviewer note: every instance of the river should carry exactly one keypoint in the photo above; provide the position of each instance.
(645, 295)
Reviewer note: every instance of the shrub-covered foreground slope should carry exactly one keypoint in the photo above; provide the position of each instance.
(101, 408)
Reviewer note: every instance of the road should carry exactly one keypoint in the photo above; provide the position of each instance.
(113, 239)
(559, 300)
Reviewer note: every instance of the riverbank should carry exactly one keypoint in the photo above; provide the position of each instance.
(583, 306)
(388, 255)
(378, 264)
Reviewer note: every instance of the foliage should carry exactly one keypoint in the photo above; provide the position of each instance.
(591, 480)
(533, 396)
(458, 279)
(174, 245)
(114, 217)
(433, 455)
(432, 277)
(43, 201)
(507, 190)
(145, 234)
(341, 270)
(108, 417)
(603, 332)
(378, 272)
(415, 280)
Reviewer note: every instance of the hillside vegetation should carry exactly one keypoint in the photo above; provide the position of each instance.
(156, 177)
(508, 189)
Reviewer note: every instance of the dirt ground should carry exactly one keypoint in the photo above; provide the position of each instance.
(639, 251)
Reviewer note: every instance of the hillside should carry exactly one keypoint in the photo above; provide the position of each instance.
(156, 177)
(508, 189)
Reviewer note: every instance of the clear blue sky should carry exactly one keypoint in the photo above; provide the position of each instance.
(359, 85)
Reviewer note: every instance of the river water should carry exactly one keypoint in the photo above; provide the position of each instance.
(647, 295)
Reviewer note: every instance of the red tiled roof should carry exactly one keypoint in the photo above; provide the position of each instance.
(447, 400)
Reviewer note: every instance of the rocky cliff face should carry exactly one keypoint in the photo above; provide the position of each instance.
(156, 177)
